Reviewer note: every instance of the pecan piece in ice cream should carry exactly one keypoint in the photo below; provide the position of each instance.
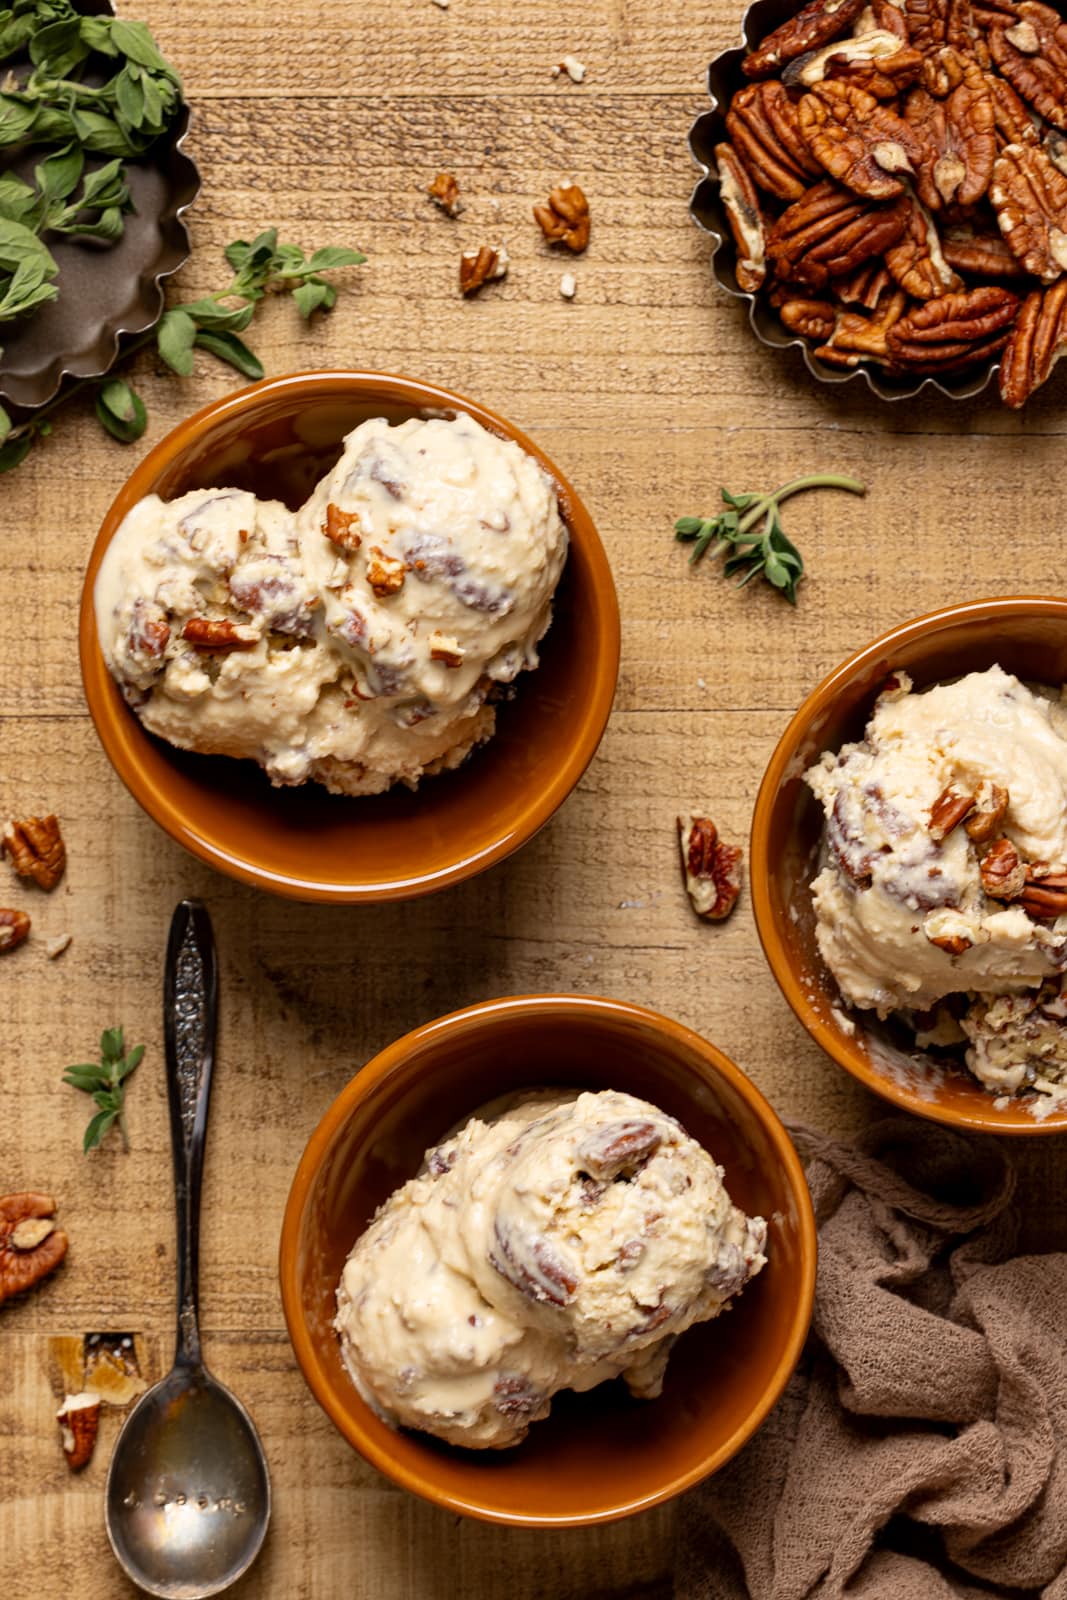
(35, 846)
(955, 331)
(712, 869)
(1032, 55)
(338, 528)
(876, 61)
(619, 1146)
(565, 218)
(220, 634)
(1044, 894)
(1003, 874)
(990, 808)
(958, 138)
(917, 263)
(815, 24)
(743, 213)
(1029, 196)
(31, 1246)
(859, 141)
(829, 233)
(948, 811)
(1038, 340)
(762, 124)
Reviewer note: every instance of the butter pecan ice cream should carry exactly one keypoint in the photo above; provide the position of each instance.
(356, 642)
(945, 871)
(566, 1241)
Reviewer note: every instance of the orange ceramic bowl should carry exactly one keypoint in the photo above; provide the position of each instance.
(599, 1455)
(1027, 636)
(278, 438)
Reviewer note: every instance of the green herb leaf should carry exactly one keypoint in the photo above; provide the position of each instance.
(15, 451)
(98, 1126)
(308, 297)
(105, 1083)
(333, 255)
(5, 424)
(120, 410)
(229, 348)
(175, 337)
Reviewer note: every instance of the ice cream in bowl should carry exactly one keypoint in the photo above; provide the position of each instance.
(535, 1232)
(338, 605)
(909, 865)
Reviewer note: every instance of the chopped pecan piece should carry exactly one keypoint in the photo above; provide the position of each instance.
(565, 219)
(743, 213)
(533, 1268)
(954, 944)
(876, 61)
(446, 649)
(859, 141)
(1032, 55)
(813, 319)
(948, 811)
(917, 262)
(817, 23)
(618, 1147)
(478, 267)
(762, 123)
(1038, 340)
(36, 848)
(830, 233)
(864, 287)
(974, 250)
(712, 869)
(856, 338)
(385, 574)
(149, 632)
(220, 634)
(1003, 874)
(26, 1254)
(444, 192)
(954, 331)
(1029, 196)
(990, 808)
(338, 528)
(14, 929)
(1044, 895)
(79, 1419)
(958, 139)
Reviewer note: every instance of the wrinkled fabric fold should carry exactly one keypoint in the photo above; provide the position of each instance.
(920, 1450)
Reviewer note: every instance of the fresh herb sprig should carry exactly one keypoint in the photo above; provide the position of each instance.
(106, 1082)
(212, 323)
(753, 551)
(51, 205)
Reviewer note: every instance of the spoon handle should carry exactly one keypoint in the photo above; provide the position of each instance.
(190, 1014)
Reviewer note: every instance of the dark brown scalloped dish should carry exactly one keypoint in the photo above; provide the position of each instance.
(105, 291)
(724, 79)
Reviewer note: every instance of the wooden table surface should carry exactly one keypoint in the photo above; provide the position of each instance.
(649, 390)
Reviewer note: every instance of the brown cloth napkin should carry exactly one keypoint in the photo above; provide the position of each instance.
(920, 1450)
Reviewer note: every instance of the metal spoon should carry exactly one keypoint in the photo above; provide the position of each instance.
(188, 1494)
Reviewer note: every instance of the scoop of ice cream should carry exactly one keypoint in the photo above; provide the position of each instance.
(902, 916)
(566, 1241)
(355, 642)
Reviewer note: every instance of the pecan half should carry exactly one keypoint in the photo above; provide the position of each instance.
(385, 574)
(813, 319)
(958, 140)
(1013, 121)
(856, 338)
(1029, 196)
(815, 24)
(618, 1147)
(830, 233)
(565, 219)
(1032, 55)
(933, 23)
(859, 141)
(877, 61)
(1003, 874)
(1044, 895)
(220, 634)
(762, 123)
(79, 1419)
(990, 808)
(980, 252)
(14, 929)
(741, 203)
(954, 331)
(864, 287)
(948, 811)
(444, 192)
(532, 1267)
(338, 528)
(26, 1254)
(712, 869)
(479, 267)
(917, 262)
(883, 16)
(1038, 340)
(36, 848)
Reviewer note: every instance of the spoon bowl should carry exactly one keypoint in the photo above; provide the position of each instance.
(188, 1496)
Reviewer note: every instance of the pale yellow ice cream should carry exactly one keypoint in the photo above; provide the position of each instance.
(355, 642)
(564, 1242)
(903, 919)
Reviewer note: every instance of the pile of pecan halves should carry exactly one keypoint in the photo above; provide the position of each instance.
(896, 176)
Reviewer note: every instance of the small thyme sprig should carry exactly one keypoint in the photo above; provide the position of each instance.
(757, 553)
(106, 1082)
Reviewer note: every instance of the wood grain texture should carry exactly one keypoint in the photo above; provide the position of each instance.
(650, 392)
